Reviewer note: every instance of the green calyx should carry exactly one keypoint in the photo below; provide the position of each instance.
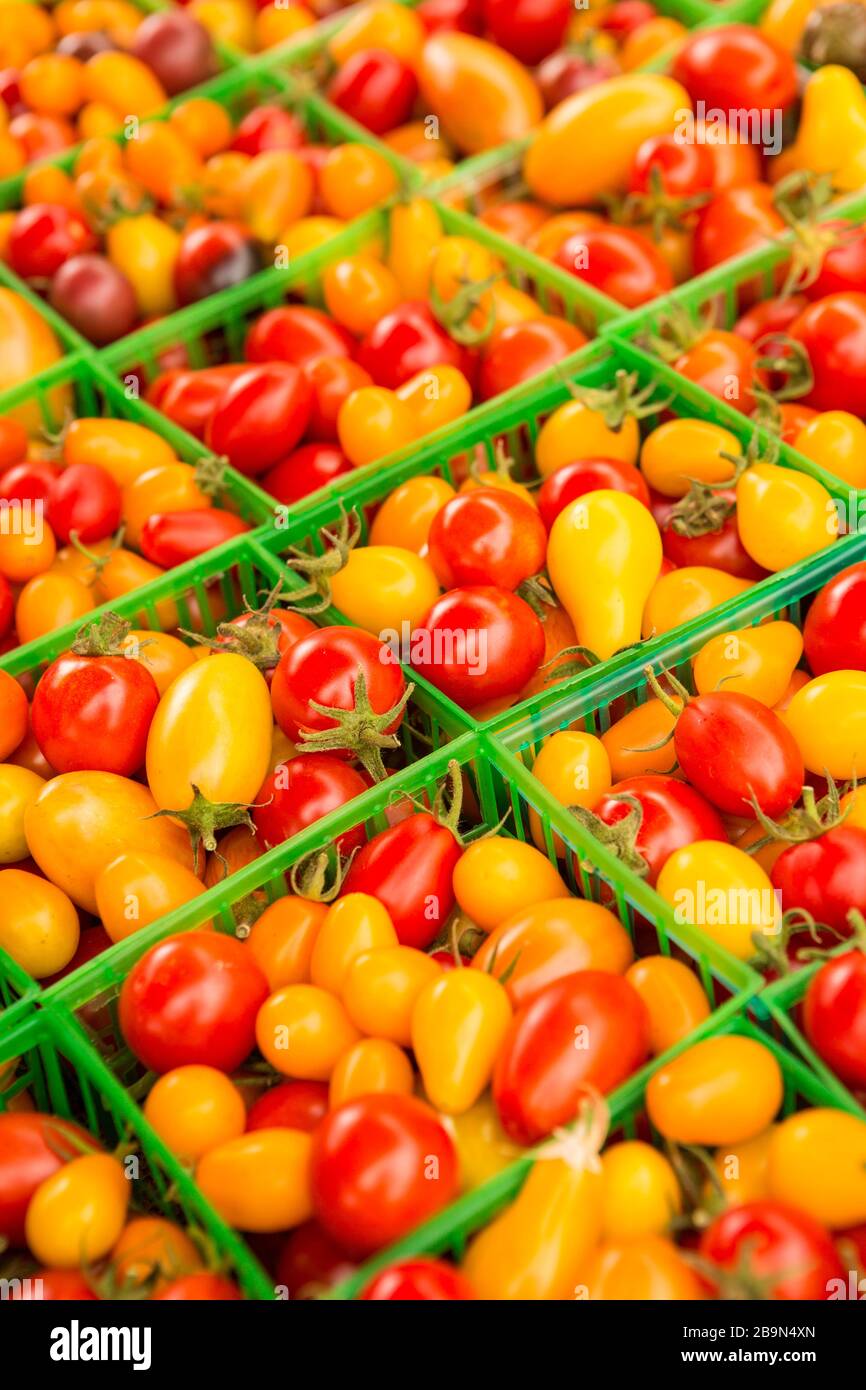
(203, 818)
(319, 570)
(102, 638)
(258, 639)
(621, 837)
(623, 401)
(803, 823)
(210, 472)
(455, 314)
(360, 730)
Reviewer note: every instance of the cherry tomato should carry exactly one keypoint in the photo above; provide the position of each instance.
(523, 350)
(407, 341)
(305, 471)
(94, 712)
(199, 1288)
(175, 537)
(775, 1248)
(44, 236)
(409, 867)
(739, 754)
(261, 417)
(419, 1281)
(487, 536)
(681, 170)
(85, 500)
(213, 257)
(189, 398)
(292, 1104)
(300, 792)
(736, 221)
(477, 644)
(825, 876)
(833, 332)
(33, 1147)
(376, 89)
(834, 633)
(268, 128)
(530, 29)
(736, 66)
(311, 1262)
(664, 813)
(572, 480)
(618, 261)
(299, 334)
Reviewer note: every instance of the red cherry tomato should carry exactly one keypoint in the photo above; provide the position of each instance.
(333, 380)
(85, 500)
(588, 475)
(486, 536)
(269, 128)
(324, 669)
(376, 89)
(409, 867)
(202, 1287)
(775, 1247)
(718, 550)
(30, 481)
(774, 315)
(54, 1286)
(736, 66)
(32, 1148)
(668, 815)
(530, 29)
(523, 350)
(833, 332)
(380, 1165)
(290, 1105)
(834, 633)
(299, 334)
(94, 713)
(419, 1281)
(477, 644)
(189, 398)
(834, 1015)
(300, 792)
(408, 341)
(305, 471)
(214, 257)
(618, 261)
(736, 221)
(261, 416)
(311, 1262)
(43, 236)
(175, 537)
(192, 1000)
(680, 170)
(825, 876)
(734, 750)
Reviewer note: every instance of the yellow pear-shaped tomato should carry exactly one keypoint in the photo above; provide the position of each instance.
(211, 730)
(577, 431)
(646, 1269)
(497, 876)
(831, 135)
(827, 717)
(629, 109)
(674, 999)
(836, 440)
(603, 556)
(481, 94)
(757, 661)
(138, 888)
(81, 821)
(687, 593)
(354, 924)
(574, 768)
(38, 923)
(373, 1066)
(783, 516)
(405, 517)
(27, 347)
(817, 1163)
(722, 890)
(381, 587)
(76, 1216)
(458, 1026)
(537, 1249)
(744, 1169)
(679, 451)
(720, 1091)
(547, 940)
(259, 1181)
(641, 1192)
(483, 1147)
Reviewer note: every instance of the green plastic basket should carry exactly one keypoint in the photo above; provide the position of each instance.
(597, 705)
(500, 787)
(65, 1077)
(783, 1000)
(214, 330)
(516, 423)
(196, 596)
(448, 1233)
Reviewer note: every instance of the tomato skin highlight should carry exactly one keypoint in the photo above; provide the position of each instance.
(834, 633)
(192, 1000)
(175, 537)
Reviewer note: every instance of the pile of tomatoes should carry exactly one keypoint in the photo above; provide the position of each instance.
(182, 208)
(81, 68)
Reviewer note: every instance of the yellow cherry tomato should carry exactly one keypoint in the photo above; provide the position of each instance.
(193, 739)
(355, 178)
(653, 38)
(646, 1269)
(81, 821)
(26, 551)
(381, 24)
(281, 941)
(724, 892)
(641, 1192)
(483, 1147)
(203, 124)
(193, 1109)
(274, 26)
(122, 447)
(457, 261)
(549, 939)
(303, 1031)
(837, 441)
(275, 190)
(374, 422)
(123, 572)
(641, 729)
(355, 923)
(123, 82)
(458, 1026)
(145, 249)
(818, 1164)
(18, 788)
(359, 290)
(170, 489)
(757, 661)
(497, 877)
(853, 803)
(405, 517)
(415, 230)
(743, 1169)
(537, 1249)
(681, 450)
(259, 1181)
(381, 587)
(575, 768)
(230, 21)
(138, 888)
(827, 717)
(436, 396)
(783, 516)
(161, 162)
(163, 655)
(38, 923)
(483, 96)
(674, 999)
(720, 1091)
(382, 987)
(372, 1066)
(603, 556)
(309, 234)
(76, 1216)
(687, 593)
(629, 109)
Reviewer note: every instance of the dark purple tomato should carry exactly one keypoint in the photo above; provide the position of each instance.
(95, 297)
(177, 48)
(85, 45)
(215, 257)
